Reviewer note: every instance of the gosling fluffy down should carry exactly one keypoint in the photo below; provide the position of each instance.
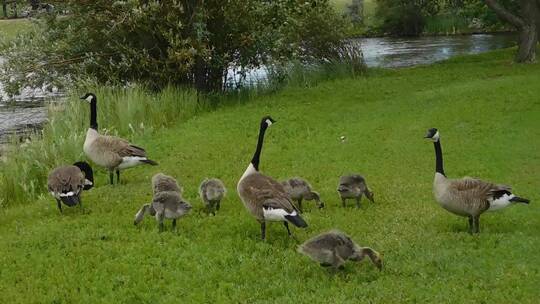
(334, 248)
(212, 191)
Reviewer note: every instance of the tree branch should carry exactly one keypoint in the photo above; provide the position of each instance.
(505, 14)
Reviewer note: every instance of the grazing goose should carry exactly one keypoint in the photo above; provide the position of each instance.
(66, 183)
(110, 152)
(212, 192)
(264, 197)
(166, 204)
(468, 196)
(299, 189)
(353, 186)
(333, 248)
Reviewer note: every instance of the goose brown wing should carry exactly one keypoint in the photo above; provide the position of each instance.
(269, 193)
(476, 190)
(120, 146)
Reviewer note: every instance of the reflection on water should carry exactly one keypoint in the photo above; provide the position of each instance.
(378, 52)
(403, 52)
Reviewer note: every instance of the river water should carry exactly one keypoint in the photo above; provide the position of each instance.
(378, 52)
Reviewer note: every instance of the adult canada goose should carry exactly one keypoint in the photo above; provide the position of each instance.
(353, 186)
(264, 197)
(66, 183)
(299, 189)
(166, 204)
(333, 248)
(110, 152)
(468, 197)
(212, 192)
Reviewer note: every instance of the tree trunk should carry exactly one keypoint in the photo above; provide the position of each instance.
(526, 24)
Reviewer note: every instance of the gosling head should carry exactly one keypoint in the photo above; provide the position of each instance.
(361, 252)
(370, 195)
(89, 97)
(184, 208)
(432, 134)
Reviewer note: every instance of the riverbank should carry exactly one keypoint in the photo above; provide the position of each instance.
(485, 107)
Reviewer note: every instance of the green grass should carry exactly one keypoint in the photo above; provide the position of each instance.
(487, 111)
(9, 29)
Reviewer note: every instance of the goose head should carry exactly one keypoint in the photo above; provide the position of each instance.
(89, 97)
(266, 122)
(432, 134)
(88, 174)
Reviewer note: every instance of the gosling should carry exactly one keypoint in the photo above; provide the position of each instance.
(166, 204)
(334, 248)
(212, 192)
(354, 186)
(299, 189)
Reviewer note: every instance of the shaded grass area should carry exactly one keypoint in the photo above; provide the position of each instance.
(9, 29)
(487, 111)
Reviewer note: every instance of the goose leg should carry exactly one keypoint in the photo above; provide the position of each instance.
(263, 230)
(476, 221)
(174, 224)
(59, 204)
(299, 206)
(159, 218)
(343, 202)
(111, 177)
(117, 176)
(470, 225)
(358, 201)
(287, 226)
(218, 205)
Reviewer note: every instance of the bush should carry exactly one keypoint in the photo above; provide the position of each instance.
(159, 43)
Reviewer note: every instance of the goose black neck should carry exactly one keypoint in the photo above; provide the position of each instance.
(256, 156)
(93, 114)
(438, 158)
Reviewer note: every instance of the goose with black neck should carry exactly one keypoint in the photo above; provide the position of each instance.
(264, 197)
(110, 152)
(468, 197)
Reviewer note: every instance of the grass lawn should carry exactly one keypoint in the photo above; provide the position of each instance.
(11, 27)
(487, 110)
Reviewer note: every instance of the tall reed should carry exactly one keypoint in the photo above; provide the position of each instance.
(128, 112)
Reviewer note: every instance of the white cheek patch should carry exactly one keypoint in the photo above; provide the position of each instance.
(87, 182)
(436, 136)
(70, 193)
(89, 98)
(268, 122)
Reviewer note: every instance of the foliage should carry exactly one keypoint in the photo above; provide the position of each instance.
(402, 17)
(130, 112)
(480, 104)
(173, 42)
